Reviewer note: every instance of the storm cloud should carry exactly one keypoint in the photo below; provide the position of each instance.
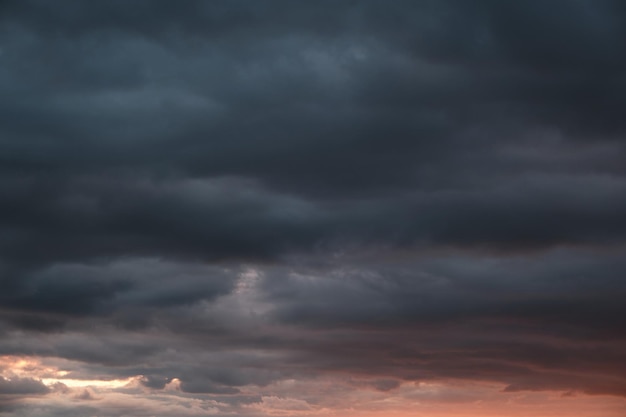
(224, 207)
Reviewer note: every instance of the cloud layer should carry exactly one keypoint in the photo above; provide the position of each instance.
(230, 206)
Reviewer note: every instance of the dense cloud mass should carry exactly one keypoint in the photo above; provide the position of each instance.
(291, 208)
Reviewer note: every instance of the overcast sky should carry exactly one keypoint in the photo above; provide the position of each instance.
(313, 208)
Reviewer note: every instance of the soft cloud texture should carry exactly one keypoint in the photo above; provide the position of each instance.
(312, 208)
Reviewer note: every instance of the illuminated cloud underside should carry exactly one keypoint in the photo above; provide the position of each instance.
(327, 396)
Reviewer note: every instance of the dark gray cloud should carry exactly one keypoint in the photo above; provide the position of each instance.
(125, 291)
(359, 117)
(229, 194)
(533, 318)
(21, 386)
(12, 390)
(528, 321)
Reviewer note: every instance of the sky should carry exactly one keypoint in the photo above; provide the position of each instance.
(312, 208)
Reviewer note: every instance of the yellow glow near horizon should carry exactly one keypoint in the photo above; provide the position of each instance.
(84, 383)
(27, 367)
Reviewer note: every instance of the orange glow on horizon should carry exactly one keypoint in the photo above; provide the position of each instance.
(329, 396)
